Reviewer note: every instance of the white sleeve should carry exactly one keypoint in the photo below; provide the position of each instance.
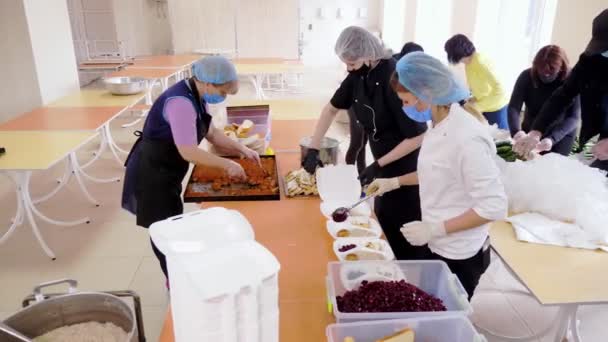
(481, 178)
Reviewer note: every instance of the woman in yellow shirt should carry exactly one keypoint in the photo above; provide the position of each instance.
(489, 96)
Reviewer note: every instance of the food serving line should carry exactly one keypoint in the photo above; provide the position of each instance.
(292, 229)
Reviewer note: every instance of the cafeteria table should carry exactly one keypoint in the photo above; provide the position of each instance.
(561, 277)
(182, 62)
(154, 75)
(66, 119)
(101, 98)
(27, 152)
(257, 72)
(292, 229)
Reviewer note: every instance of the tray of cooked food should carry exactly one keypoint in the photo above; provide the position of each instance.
(213, 185)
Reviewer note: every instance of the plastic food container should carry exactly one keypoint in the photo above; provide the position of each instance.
(258, 114)
(350, 228)
(431, 329)
(364, 249)
(339, 186)
(431, 276)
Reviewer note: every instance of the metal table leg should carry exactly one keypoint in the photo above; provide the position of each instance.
(27, 210)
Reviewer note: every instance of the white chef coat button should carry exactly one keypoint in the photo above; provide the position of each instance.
(377, 83)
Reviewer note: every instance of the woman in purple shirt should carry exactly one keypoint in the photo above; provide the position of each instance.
(178, 121)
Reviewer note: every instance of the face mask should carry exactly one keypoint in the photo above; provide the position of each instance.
(419, 116)
(547, 79)
(362, 71)
(213, 98)
(605, 54)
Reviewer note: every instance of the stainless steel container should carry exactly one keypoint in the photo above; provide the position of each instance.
(72, 308)
(328, 153)
(125, 85)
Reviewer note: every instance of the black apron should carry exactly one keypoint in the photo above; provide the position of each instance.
(155, 171)
(398, 207)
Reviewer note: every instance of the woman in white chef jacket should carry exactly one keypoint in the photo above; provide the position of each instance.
(460, 187)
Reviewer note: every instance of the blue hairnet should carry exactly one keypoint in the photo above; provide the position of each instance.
(214, 69)
(430, 80)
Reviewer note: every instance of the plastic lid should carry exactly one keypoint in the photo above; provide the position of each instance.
(339, 184)
(200, 231)
(226, 270)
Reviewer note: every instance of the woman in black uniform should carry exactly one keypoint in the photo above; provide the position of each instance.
(394, 138)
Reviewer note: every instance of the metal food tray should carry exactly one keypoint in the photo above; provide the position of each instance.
(221, 196)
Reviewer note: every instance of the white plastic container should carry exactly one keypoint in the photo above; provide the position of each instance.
(348, 228)
(365, 249)
(339, 186)
(437, 329)
(224, 285)
(431, 276)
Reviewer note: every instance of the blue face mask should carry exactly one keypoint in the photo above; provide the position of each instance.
(419, 116)
(605, 54)
(213, 98)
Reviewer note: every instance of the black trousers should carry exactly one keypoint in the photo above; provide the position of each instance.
(393, 210)
(358, 139)
(468, 271)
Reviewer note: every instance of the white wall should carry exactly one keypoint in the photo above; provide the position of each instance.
(53, 49)
(572, 29)
(143, 26)
(320, 34)
(19, 87)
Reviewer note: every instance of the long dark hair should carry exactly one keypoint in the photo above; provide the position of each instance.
(552, 57)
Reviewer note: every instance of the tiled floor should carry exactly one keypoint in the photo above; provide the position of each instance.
(111, 253)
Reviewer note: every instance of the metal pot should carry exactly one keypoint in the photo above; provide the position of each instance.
(328, 153)
(68, 309)
(125, 85)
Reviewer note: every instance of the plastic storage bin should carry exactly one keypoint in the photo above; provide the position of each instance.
(258, 114)
(431, 329)
(431, 276)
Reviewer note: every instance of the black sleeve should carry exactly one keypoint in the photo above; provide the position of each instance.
(517, 101)
(553, 110)
(343, 97)
(408, 127)
(572, 118)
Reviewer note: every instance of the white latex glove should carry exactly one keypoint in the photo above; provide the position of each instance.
(600, 150)
(420, 233)
(248, 153)
(544, 145)
(527, 144)
(234, 169)
(519, 135)
(380, 186)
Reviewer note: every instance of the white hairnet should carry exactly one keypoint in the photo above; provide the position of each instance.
(215, 70)
(430, 80)
(356, 43)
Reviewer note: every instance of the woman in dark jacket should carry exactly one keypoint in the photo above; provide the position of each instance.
(393, 137)
(589, 79)
(533, 88)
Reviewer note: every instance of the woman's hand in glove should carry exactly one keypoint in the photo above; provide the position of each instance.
(527, 144)
(234, 169)
(311, 161)
(381, 186)
(420, 233)
(600, 150)
(369, 173)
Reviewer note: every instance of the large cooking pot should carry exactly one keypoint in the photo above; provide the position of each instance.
(328, 153)
(68, 309)
(125, 85)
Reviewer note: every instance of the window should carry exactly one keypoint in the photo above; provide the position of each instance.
(510, 32)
